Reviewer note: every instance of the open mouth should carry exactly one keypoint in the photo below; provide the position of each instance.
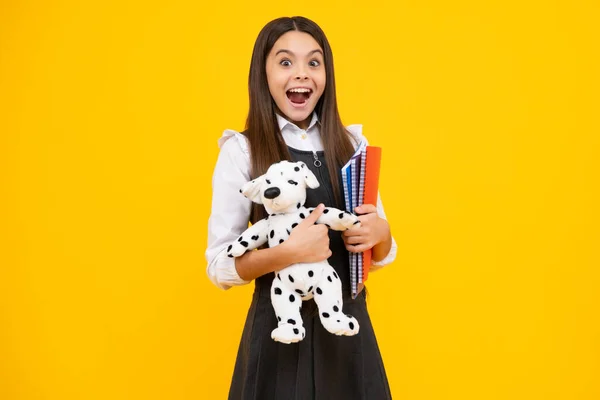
(298, 96)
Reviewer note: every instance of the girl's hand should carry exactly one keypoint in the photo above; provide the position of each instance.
(309, 242)
(373, 230)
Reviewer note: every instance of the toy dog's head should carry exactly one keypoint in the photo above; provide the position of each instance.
(283, 188)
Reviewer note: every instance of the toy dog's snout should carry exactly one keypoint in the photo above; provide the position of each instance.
(272, 193)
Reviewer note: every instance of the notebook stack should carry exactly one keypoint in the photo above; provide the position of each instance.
(360, 177)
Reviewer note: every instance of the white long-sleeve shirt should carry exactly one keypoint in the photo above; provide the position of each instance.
(230, 212)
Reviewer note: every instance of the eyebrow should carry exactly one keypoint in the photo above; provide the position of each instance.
(291, 53)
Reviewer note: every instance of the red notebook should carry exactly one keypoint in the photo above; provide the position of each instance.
(372, 168)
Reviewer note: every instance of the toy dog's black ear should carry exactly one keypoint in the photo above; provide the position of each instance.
(252, 189)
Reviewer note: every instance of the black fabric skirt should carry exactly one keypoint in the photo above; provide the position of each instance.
(322, 366)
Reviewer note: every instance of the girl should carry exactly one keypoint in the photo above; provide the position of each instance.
(294, 116)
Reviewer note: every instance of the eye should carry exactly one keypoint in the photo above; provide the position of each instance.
(268, 181)
(314, 63)
(291, 182)
(282, 62)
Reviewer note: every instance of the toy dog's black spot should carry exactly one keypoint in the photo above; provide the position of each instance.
(351, 325)
(229, 248)
(298, 205)
(280, 241)
(291, 182)
(255, 237)
(335, 275)
(300, 292)
(325, 315)
(272, 234)
(325, 211)
(296, 169)
(329, 279)
(310, 273)
(245, 244)
(291, 321)
(309, 289)
(277, 290)
(336, 308)
(302, 215)
(291, 279)
(341, 215)
(319, 291)
(294, 225)
(296, 331)
(292, 298)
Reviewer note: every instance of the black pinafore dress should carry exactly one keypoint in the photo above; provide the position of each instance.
(322, 366)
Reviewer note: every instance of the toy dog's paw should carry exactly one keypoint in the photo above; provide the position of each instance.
(348, 220)
(237, 249)
(340, 324)
(288, 333)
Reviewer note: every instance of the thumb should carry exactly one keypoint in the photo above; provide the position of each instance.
(314, 216)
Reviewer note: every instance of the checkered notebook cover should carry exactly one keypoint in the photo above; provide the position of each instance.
(361, 194)
(352, 187)
(346, 181)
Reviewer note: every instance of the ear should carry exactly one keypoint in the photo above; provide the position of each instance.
(252, 189)
(309, 178)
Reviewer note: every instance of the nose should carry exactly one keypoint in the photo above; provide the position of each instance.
(272, 192)
(301, 74)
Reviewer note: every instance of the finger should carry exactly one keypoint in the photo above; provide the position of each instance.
(327, 255)
(354, 240)
(314, 215)
(353, 232)
(357, 248)
(366, 218)
(366, 209)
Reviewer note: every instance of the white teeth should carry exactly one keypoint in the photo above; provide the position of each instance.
(299, 90)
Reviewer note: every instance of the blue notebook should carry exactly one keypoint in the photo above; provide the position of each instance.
(353, 178)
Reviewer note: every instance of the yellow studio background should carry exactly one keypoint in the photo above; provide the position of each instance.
(488, 116)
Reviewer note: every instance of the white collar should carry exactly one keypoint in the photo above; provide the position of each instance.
(284, 122)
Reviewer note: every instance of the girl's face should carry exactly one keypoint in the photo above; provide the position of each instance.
(296, 76)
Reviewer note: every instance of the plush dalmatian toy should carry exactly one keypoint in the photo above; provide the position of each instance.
(282, 191)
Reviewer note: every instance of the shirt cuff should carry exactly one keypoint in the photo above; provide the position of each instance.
(223, 274)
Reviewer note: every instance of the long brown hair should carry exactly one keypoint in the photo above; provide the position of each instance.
(266, 142)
